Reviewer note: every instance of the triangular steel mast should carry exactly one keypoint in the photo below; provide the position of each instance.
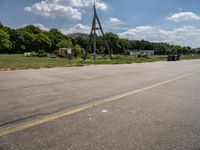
(94, 35)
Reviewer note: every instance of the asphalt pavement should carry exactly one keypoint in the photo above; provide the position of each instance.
(138, 107)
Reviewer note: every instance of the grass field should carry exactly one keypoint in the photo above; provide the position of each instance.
(19, 62)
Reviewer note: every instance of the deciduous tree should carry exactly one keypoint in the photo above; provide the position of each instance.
(5, 43)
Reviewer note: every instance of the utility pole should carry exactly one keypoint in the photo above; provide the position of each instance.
(93, 35)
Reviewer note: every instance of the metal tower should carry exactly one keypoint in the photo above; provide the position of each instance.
(93, 35)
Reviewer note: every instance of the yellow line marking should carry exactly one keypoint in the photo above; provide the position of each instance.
(29, 124)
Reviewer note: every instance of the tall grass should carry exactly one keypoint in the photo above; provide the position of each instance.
(13, 62)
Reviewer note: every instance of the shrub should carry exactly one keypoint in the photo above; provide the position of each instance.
(33, 54)
(42, 53)
(143, 56)
(56, 52)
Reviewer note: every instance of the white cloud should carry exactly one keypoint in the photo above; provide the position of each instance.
(185, 36)
(183, 16)
(79, 28)
(101, 6)
(63, 8)
(83, 3)
(53, 9)
(116, 21)
(41, 26)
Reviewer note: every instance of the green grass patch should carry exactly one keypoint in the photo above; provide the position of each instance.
(16, 62)
(188, 57)
(19, 62)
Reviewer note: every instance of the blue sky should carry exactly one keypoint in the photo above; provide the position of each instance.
(173, 21)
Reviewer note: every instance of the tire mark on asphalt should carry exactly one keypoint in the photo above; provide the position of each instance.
(20, 120)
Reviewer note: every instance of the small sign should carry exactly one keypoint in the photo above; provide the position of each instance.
(69, 51)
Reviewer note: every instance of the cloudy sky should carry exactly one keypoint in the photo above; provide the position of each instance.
(173, 21)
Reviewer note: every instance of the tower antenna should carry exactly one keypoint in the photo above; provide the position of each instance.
(94, 2)
(94, 35)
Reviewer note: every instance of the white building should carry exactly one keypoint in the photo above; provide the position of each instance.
(142, 52)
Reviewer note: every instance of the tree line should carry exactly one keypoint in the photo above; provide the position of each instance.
(31, 38)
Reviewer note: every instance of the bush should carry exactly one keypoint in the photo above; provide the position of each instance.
(42, 53)
(33, 54)
(143, 56)
(78, 51)
(56, 52)
(89, 56)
